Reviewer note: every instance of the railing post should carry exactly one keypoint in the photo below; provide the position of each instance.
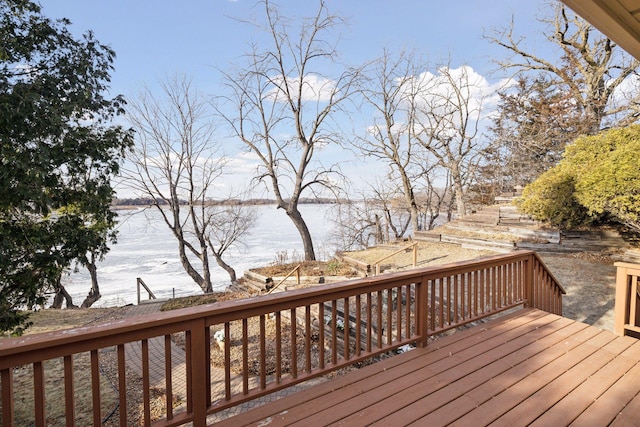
(198, 364)
(422, 308)
(623, 295)
(6, 376)
(528, 281)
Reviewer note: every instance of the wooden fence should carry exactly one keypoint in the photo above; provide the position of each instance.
(262, 349)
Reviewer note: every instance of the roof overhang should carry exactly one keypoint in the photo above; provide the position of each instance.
(619, 20)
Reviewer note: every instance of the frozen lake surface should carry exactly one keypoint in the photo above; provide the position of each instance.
(147, 249)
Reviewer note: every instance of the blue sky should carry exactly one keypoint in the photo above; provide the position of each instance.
(153, 39)
(156, 39)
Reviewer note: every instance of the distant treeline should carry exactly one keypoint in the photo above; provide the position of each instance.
(142, 201)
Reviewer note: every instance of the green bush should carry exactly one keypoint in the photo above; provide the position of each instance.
(610, 179)
(598, 177)
(551, 198)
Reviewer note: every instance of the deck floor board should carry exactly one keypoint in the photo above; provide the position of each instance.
(529, 367)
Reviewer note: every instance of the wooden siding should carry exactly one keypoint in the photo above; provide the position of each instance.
(526, 368)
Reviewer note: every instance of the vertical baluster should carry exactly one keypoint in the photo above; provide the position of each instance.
(421, 311)
(278, 347)
(263, 353)
(38, 387)
(168, 376)
(345, 310)
(549, 291)
(505, 285)
(517, 280)
(432, 304)
(321, 333)
(441, 302)
(245, 356)
(369, 323)
(456, 299)
(498, 286)
(189, 368)
(399, 313)
(501, 280)
(521, 274)
(227, 361)
(407, 306)
(207, 373)
(379, 302)
(307, 338)
(122, 385)
(334, 332)
(69, 398)
(95, 387)
(358, 309)
(483, 294)
(146, 398)
(494, 288)
(474, 292)
(294, 344)
(7, 397)
(468, 286)
(389, 327)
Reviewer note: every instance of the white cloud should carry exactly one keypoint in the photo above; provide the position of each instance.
(314, 89)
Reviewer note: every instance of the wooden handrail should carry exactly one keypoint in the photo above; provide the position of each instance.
(295, 270)
(340, 323)
(139, 282)
(414, 245)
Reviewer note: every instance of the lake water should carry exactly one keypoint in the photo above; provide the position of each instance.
(147, 249)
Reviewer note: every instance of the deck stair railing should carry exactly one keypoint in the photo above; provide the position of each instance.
(413, 246)
(140, 282)
(338, 325)
(296, 270)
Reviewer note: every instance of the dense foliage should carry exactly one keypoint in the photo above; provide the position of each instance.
(58, 152)
(598, 178)
(590, 87)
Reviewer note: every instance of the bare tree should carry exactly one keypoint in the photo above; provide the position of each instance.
(378, 215)
(391, 91)
(448, 124)
(281, 106)
(177, 163)
(592, 69)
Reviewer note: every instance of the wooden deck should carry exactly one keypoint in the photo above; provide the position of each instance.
(525, 368)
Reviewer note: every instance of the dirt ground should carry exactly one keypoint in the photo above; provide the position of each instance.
(590, 282)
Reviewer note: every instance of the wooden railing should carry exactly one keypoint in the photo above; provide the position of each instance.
(413, 246)
(627, 311)
(338, 325)
(296, 270)
(139, 282)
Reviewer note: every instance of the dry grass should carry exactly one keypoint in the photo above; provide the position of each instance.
(307, 268)
(428, 254)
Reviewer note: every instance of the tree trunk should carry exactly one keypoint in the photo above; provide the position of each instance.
(227, 268)
(60, 296)
(305, 235)
(458, 190)
(94, 293)
(411, 201)
(207, 286)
